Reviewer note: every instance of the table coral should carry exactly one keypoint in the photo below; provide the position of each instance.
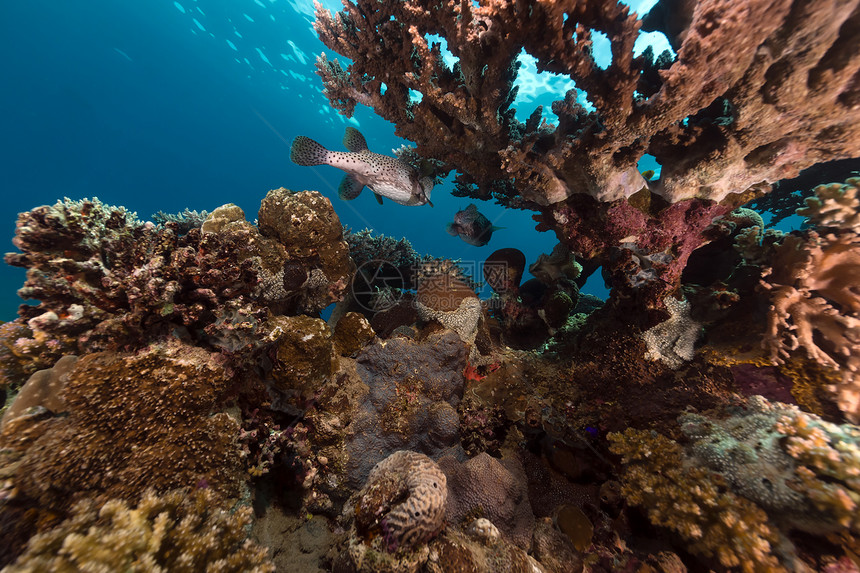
(177, 531)
(757, 92)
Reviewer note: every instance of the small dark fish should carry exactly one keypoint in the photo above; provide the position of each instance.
(471, 226)
(386, 176)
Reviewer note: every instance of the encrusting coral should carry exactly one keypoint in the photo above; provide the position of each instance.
(177, 531)
(803, 471)
(672, 340)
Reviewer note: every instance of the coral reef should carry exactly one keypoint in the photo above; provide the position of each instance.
(811, 278)
(413, 390)
(177, 531)
(756, 93)
(692, 501)
(528, 313)
(803, 471)
(43, 390)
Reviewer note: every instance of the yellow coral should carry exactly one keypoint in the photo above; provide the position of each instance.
(173, 532)
(690, 500)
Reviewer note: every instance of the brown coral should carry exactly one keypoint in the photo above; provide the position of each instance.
(758, 91)
(135, 421)
(404, 500)
(691, 501)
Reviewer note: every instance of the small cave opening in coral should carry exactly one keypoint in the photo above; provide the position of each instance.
(649, 167)
(447, 57)
(601, 49)
(541, 88)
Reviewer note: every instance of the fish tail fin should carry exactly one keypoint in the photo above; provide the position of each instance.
(305, 151)
(451, 229)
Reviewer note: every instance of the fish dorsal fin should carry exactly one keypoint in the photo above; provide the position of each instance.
(472, 208)
(378, 198)
(349, 188)
(353, 140)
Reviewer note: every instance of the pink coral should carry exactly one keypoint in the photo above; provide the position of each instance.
(815, 303)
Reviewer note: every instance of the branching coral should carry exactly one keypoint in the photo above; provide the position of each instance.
(176, 531)
(749, 474)
(691, 500)
(758, 91)
(103, 279)
(815, 302)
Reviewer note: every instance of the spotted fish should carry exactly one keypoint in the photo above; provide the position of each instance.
(386, 176)
(472, 226)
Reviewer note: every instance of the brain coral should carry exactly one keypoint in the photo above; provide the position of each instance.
(491, 488)
(404, 498)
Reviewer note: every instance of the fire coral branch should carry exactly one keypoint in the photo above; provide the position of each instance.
(758, 91)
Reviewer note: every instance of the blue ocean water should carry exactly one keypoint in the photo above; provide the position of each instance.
(169, 105)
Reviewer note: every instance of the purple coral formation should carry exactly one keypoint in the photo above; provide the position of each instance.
(495, 489)
(412, 395)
